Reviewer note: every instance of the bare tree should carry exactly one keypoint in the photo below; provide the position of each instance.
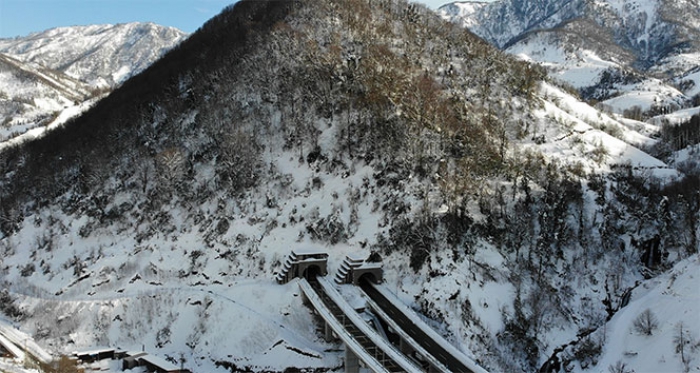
(646, 322)
(619, 367)
(685, 345)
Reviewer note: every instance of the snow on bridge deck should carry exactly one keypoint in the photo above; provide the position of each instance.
(23, 341)
(419, 323)
(11, 348)
(372, 363)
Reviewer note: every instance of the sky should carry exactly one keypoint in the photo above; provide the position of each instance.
(22, 17)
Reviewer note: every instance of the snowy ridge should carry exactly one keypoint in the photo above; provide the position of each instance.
(31, 97)
(61, 119)
(71, 88)
(100, 55)
(676, 117)
(625, 54)
(51, 74)
(578, 67)
(634, 24)
(673, 300)
(462, 10)
(584, 125)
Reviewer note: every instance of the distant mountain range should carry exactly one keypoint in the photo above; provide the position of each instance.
(46, 72)
(99, 55)
(623, 53)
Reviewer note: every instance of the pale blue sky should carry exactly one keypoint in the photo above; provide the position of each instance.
(21, 17)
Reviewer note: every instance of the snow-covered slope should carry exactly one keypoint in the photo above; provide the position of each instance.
(651, 29)
(32, 96)
(673, 344)
(511, 215)
(100, 55)
(52, 72)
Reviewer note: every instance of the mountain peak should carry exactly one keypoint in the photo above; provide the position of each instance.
(613, 51)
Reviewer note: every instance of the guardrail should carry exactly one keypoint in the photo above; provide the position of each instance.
(377, 353)
(447, 359)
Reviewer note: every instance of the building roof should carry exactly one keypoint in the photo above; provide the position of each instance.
(309, 251)
(159, 362)
(94, 351)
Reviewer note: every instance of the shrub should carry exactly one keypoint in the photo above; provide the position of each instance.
(8, 306)
(28, 270)
(588, 351)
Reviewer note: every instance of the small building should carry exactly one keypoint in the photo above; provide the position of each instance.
(152, 363)
(130, 360)
(158, 365)
(91, 356)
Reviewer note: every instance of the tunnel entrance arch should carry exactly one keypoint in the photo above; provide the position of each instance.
(355, 267)
(372, 272)
(305, 264)
(368, 277)
(312, 271)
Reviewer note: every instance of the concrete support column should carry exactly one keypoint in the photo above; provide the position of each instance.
(327, 332)
(405, 347)
(432, 369)
(352, 362)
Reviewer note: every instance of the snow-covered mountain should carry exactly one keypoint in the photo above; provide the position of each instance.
(32, 96)
(48, 73)
(521, 222)
(625, 53)
(99, 55)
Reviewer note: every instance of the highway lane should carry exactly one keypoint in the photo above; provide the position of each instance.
(357, 334)
(433, 347)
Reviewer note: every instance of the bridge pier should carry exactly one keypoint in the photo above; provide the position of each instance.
(352, 362)
(432, 369)
(405, 347)
(327, 332)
